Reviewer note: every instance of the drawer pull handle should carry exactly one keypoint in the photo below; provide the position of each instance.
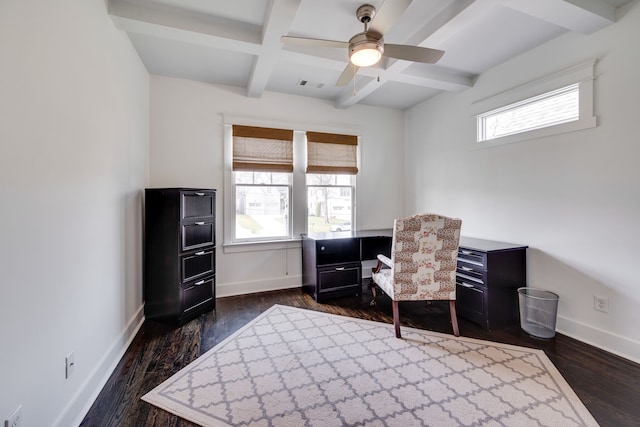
(466, 268)
(466, 252)
(200, 223)
(200, 253)
(322, 248)
(199, 194)
(201, 282)
(466, 285)
(339, 268)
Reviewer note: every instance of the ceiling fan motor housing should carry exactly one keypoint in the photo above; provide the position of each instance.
(365, 13)
(365, 49)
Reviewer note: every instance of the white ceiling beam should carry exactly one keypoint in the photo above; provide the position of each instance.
(436, 79)
(583, 16)
(277, 23)
(313, 60)
(174, 24)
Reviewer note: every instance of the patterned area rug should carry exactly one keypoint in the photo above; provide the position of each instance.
(295, 367)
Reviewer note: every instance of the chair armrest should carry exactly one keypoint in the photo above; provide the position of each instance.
(382, 260)
(385, 260)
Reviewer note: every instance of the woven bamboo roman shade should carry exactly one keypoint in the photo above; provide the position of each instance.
(262, 149)
(332, 153)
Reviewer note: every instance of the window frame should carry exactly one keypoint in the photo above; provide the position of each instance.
(351, 186)
(298, 201)
(582, 74)
(483, 118)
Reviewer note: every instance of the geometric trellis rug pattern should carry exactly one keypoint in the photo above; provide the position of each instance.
(297, 367)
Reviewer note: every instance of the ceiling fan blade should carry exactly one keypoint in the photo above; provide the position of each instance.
(412, 53)
(387, 15)
(305, 41)
(347, 75)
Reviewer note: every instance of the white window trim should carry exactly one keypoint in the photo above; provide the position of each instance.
(298, 202)
(583, 73)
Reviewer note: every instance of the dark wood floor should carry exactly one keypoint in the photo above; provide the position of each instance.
(608, 385)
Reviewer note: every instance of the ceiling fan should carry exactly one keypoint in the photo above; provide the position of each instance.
(368, 47)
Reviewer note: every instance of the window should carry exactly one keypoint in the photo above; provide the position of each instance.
(329, 202)
(262, 205)
(551, 105)
(332, 162)
(281, 183)
(552, 108)
(262, 164)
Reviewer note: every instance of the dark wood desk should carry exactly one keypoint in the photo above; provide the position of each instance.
(332, 262)
(487, 276)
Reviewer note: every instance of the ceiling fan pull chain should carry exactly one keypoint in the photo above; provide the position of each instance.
(354, 80)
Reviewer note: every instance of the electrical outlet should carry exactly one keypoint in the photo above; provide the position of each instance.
(15, 419)
(601, 303)
(70, 365)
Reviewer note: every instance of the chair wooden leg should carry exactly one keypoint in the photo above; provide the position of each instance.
(396, 317)
(454, 318)
(372, 285)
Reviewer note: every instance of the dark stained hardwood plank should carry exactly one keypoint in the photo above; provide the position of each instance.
(608, 385)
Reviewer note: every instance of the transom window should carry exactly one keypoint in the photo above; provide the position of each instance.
(550, 105)
(549, 109)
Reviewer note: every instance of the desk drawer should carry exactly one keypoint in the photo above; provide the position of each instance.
(471, 273)
(470, 302)
(338, 277)
(337, 251)
(473, 257)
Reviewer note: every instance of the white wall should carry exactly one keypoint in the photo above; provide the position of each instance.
(186, 150)
(73, 160)
(573, 198)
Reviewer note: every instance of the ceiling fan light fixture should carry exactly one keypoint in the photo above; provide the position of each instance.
(365, 56)
(365, 51)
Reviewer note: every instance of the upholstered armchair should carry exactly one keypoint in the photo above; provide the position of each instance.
(422, 267)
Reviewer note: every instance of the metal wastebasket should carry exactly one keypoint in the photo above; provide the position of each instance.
(538, 312)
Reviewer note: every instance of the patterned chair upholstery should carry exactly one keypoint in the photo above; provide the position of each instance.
(422, 267)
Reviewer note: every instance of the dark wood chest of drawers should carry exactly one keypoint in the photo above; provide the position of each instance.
(179, 253)
(487, 278)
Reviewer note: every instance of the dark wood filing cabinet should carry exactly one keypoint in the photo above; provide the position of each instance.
(179, 253)
(488, 275)
(332, 262)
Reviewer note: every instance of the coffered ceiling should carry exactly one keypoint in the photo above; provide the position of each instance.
(237, 42)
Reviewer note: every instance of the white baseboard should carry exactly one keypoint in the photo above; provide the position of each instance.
(240, 288)
(612, 343)
(77, 409)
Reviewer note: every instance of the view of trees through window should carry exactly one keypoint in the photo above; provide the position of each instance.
(262, 205)
(329, 203)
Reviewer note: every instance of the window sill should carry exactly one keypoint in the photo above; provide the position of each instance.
(584, 123)
(267, 245)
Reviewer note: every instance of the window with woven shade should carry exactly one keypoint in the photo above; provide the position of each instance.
(329, 153)
(332, 163)
(262, 165)
(262, 149)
